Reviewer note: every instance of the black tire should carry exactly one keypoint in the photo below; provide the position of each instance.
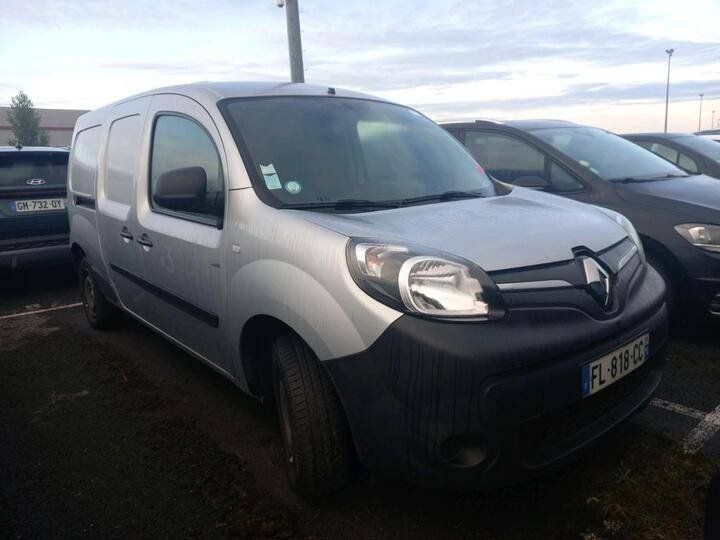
(100, 313)
(662, 269)
(316, 438)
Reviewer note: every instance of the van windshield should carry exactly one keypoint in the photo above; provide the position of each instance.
(319, 151)
(607, 155)
(29, 168)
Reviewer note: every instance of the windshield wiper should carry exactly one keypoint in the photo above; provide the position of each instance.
(350, 204)
(444, 196)
(627, 180)
(353, 204)
(637, 179)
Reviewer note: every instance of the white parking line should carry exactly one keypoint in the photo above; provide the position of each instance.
(677, 408)
(703, 432)
(708, 426)
(38, 311)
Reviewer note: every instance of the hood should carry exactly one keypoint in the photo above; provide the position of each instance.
(697, 197)
(523, 228)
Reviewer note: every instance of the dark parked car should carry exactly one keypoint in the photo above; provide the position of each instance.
(33, 218)
(710, 134)
(693, 154)
(676, 214)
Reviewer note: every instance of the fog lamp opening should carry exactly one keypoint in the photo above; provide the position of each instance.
(465, 450)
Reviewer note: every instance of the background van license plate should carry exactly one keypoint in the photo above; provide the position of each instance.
(604, 371)
(39, 205)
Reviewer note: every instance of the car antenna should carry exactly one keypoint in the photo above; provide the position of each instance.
(18, 145)
(331, 90)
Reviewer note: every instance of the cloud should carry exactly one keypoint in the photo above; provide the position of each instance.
(447, 57)
(581, 94)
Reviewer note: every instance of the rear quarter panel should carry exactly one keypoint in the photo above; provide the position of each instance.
(87, 139)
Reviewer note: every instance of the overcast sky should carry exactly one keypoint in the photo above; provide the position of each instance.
(598, 62)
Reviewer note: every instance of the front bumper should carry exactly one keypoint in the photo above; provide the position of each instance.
(34, 251)
(484, 405)
(706, 293)
(703, 279)
(715, 306)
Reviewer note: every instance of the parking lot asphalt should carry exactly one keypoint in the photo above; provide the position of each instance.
(122, 434)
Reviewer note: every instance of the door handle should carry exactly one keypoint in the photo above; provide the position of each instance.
(126, 234)
(144, 241)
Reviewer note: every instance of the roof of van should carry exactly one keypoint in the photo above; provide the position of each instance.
(208, 93)
(34, 149)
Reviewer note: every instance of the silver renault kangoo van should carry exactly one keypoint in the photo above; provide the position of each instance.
(348, 258)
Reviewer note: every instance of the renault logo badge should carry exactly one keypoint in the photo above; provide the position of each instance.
(598, 281)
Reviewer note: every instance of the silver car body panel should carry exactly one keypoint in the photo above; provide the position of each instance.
(286, 264)
(488, 231)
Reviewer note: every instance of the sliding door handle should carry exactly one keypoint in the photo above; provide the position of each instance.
(144, 241)
(126, 234)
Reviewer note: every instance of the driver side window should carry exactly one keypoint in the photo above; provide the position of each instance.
(509, 159)
(180, 145)
(506, 158)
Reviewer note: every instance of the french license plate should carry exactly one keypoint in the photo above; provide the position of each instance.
(39, 205)
(601, 373)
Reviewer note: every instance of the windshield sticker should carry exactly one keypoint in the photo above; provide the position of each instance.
(293, 187)
(272, 180)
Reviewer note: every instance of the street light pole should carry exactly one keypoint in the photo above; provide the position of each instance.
(700, 115)
(712, 121)
(667, 87)
(292, 15)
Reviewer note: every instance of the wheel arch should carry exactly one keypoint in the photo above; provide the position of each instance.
(655, 249)
(77, 253)
(307, 307)
(255, 347)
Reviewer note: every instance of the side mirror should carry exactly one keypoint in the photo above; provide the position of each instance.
(181, 189)
(532, 182)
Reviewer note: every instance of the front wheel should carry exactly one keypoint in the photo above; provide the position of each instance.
(316, 438)
(100, 313)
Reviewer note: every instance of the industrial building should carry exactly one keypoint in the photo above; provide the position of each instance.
(57, 123)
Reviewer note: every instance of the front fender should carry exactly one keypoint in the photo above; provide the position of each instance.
(309, 308)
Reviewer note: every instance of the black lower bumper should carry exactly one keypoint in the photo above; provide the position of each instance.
(701, 288)
(706, 293)
(35, 250)
(715, 305)
(484, 405)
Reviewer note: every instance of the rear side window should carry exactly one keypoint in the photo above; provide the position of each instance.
(179, 143)
(683, 161)
(687, 163)
(83, 168)
(665, 152)
(561, 180)
(33, 169)
(122, 152)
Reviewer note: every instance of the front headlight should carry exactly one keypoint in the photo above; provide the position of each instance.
(628, 226)
(424, 282)
(705, 237)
